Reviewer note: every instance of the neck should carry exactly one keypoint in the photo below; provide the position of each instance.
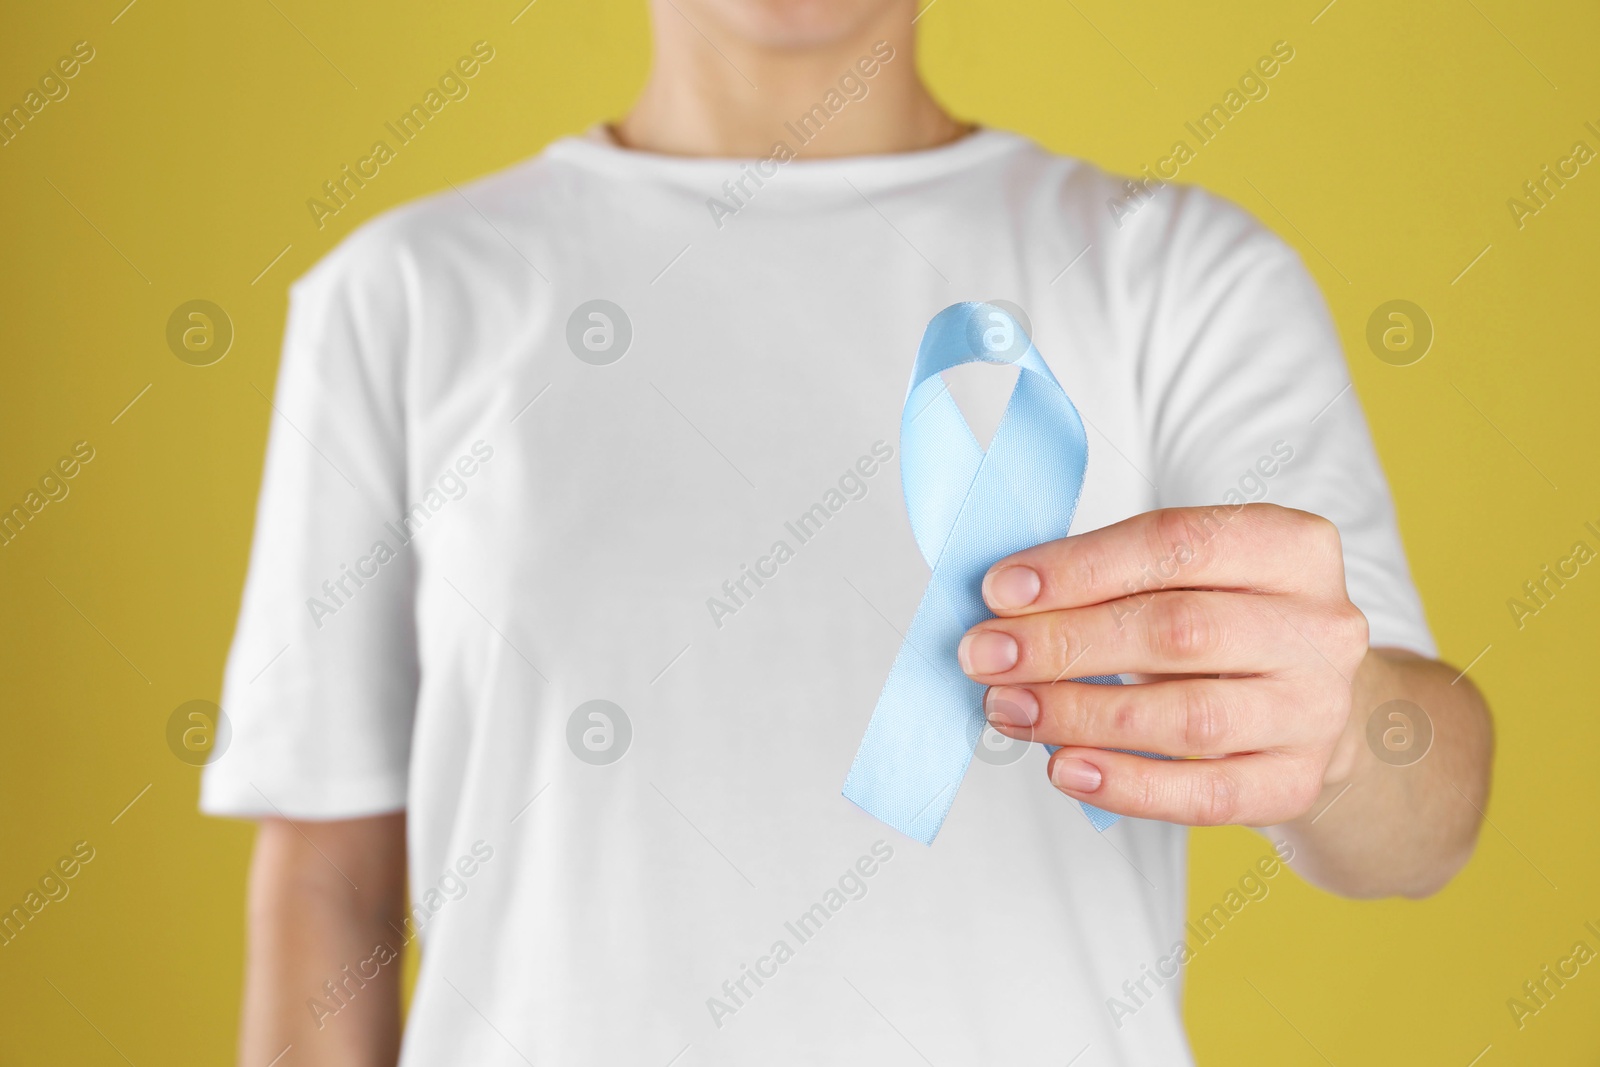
(723, 95)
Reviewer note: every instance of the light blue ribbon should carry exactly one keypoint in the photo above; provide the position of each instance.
(968, 509)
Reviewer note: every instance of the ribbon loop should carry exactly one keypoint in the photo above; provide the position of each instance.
(968, 508)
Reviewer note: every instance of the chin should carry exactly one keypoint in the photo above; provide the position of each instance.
(796, 24)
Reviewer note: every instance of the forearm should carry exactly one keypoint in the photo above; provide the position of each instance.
(323, 976)
(1402, 825)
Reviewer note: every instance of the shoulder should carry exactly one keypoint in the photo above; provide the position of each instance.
(1142, 222)
(466, 227)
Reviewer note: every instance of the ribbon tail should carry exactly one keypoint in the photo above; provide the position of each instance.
(922, 735)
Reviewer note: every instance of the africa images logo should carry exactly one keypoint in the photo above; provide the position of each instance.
(853, 485)
(851, 885)
(852, 86)
(338, 591)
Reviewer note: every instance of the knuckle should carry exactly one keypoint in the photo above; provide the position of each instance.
(1336, 717)
(1205, 720)
(1344, 633)
(1082, 566)
(1125, 715)
(1216, 798)
(1318, 533)
(1062, 644)
(1326, 531)
(1357, 631)
(1171, 535)
(1148, 794)
(1180, 631)
(1065, 707)
(1258, 520)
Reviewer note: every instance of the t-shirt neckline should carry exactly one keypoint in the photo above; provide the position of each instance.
(596, 149)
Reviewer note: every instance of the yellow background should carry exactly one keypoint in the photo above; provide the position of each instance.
(179, 167)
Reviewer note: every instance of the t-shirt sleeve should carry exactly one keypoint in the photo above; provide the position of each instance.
(321, 679)
(1247, 396)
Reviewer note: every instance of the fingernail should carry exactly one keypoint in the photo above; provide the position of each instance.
(1075, 775)
(1011, 587)
(1010, 706)
(987, 652)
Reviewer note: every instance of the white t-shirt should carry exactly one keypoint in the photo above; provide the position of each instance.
(477, 520)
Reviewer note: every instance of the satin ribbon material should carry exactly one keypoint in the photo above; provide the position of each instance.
(968, 509)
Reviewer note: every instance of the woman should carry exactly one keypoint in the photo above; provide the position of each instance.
(581, 561)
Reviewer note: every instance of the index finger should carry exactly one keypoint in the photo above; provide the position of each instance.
(1250, 548)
